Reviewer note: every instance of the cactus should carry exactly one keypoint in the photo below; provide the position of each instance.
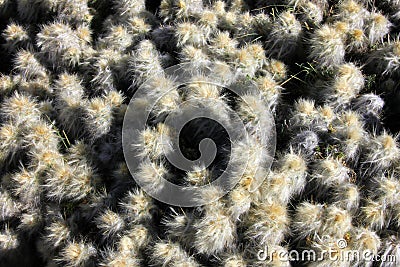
(109, 112)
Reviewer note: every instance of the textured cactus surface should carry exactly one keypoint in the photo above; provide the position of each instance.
(199, 133)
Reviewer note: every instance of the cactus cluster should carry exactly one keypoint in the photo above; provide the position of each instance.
(327, 71)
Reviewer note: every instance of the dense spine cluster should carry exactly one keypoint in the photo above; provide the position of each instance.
(327, 71)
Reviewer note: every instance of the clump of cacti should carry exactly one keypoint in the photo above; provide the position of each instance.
(300, 99)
